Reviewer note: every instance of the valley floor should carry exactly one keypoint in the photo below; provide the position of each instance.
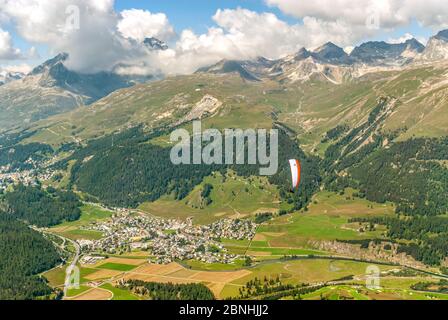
(295, 250)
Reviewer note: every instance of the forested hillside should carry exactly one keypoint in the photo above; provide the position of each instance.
(43, 208)
(24, 254)
(411, 174)
(23, 157)
(133, 171)
(169, 291)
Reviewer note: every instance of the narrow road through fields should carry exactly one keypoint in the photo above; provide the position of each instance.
(75, 260)
(72, 267)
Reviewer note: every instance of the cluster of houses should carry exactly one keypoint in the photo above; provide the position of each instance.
(26, 177)
(37, 171)
(167, 239)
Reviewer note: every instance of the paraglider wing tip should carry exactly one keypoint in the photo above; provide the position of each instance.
(295, 173)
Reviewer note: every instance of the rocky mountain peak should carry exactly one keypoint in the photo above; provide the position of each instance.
(302, 54)
(57, 60)
(331, 53)
(383, 53)
(231, 66)
(7, 76)
(437, 47)
(442, 35)
(155, 44)
(415, 45)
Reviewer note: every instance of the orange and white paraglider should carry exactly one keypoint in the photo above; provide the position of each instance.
(296, 171)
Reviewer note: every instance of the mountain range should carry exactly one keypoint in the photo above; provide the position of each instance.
(51, 88)
(370, 128)
(8, 76)
(333, 63)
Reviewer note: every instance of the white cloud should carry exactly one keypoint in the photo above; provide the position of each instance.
(7, 50)
(238, 34)
(404, 38)
(106, 38)
(349, 49)
(391, 13)
(407, 36)
(22, 68)
(140, 24)
(93, 44)
(244, 34)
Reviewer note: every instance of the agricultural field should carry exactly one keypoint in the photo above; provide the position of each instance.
(117, 266)
(198, 265)
(73, 230)
(307, 271)
(93, 294)
(98, 282)
(232, 197)
(119, 294)
(344, 292)
(327, 219)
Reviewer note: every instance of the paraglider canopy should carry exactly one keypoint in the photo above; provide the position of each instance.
(295, 173)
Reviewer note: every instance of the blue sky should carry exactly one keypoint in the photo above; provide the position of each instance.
(197, 14)
(339, 25)
(183, 14)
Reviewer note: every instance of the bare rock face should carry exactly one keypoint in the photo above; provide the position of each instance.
(6, 77)
(375, 252)
(209, 105)
(437, 48)
(51, 88)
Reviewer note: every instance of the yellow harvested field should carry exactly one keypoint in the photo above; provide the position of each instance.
(184, 273)
(260, 237)
(139, 276)
(94, 294)
(156, 269)
(132, 262)
(216, 288)
(175, 273)
(138, 254)
(159, 279)
(103, 274)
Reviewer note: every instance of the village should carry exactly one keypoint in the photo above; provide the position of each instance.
(30, 174)
(167, 240)
(26, 177)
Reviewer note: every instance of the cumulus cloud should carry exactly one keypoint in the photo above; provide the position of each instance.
(406, 37)
(99, 38)
(21, 68)
(140, 24)
(238, 34)
(244, 34)
(7, 50)
(85, 29)
(390, 13)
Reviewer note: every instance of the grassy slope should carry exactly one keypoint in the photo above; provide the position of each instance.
(232, 196)
(145, 103)
(73, 230)
(310, 108)
(327, 219)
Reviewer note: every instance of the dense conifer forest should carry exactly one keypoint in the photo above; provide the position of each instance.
(42, 208)
(24, 254)
(169, 291)
(132, 171)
